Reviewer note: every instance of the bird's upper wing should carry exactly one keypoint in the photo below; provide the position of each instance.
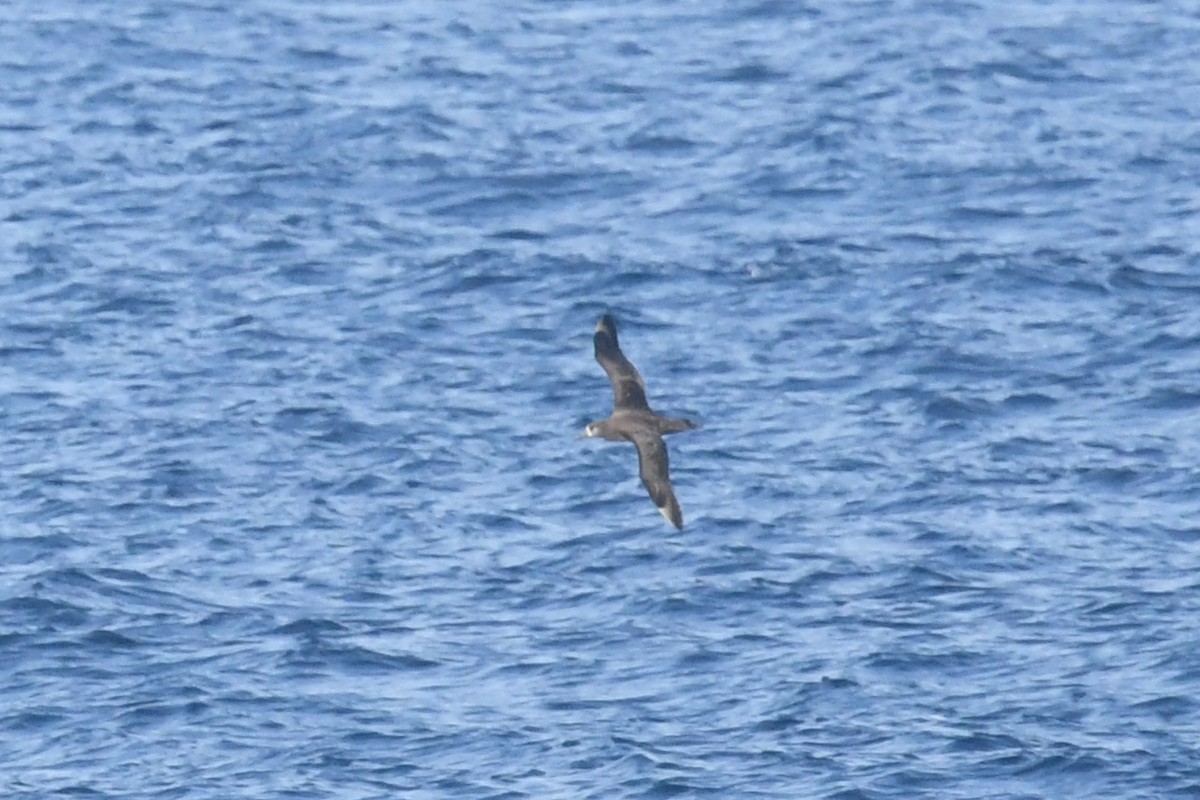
(654, 467)
(629, 391)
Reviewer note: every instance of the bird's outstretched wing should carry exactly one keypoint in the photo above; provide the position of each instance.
(654, 467)
(629, 391)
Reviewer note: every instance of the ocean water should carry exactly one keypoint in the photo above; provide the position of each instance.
(296, 303)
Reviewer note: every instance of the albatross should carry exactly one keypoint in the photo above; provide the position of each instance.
(632, 420)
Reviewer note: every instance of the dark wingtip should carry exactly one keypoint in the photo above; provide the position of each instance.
(607, 324)
(606, 335)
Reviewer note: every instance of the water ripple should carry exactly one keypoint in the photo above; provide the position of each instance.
(295, 348)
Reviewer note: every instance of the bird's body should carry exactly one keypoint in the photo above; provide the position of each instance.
(632, 420)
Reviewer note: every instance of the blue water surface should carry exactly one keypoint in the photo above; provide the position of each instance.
(296, 303)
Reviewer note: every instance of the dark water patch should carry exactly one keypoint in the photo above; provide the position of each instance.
(656, 142)
(751, 73)
(34, 549)
(950, 409)
(1129, 277)
(1168, 708)
(1029, 401)
(519, 234)
(362, 660)
(309, 627)
(32, 721)
(110, 640)
(987, 743)
(1064, 760)
(1109, 477)
(1171, 398)
(146, 716)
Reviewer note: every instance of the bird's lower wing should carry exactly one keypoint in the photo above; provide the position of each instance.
(654, 466)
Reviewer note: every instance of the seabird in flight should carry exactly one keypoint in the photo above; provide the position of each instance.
(632, 420)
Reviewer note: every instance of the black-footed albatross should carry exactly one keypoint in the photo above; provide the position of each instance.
(632, 420)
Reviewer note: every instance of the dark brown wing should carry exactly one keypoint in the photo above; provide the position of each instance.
(628, 389)
(654, 467)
